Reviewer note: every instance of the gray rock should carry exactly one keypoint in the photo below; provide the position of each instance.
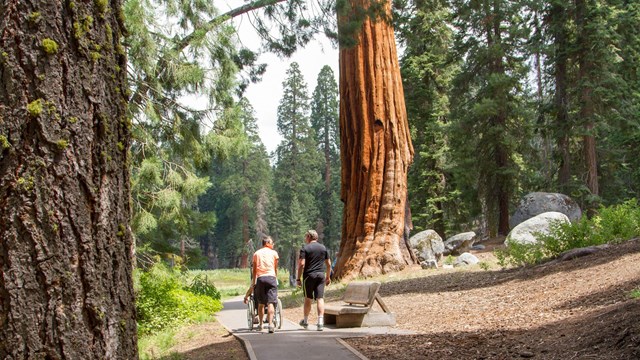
(466, 259)
(427, 246)
(478, 247)
(527, 232)
(459, 243)
(429, 264)
(536, 203)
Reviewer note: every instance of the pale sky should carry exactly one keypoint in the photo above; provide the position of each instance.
(266, 95)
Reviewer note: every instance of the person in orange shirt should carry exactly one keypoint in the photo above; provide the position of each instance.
(264, 274)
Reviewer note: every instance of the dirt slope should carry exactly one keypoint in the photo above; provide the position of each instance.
(577, 309)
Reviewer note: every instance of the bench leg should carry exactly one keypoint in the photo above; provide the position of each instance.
(349, 320)
(329, 319)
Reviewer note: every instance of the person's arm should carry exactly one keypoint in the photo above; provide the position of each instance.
(327, 263)
(254, 271)
(275, 265)
(300, 268)
(247, 294)
(301, 258)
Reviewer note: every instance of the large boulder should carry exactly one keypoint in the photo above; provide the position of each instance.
(537, 203)
(428, 247)
(527, 231)
(459, 243)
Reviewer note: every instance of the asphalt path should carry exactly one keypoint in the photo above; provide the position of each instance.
(292, 341)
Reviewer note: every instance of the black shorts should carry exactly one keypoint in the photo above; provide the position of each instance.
(313, 285)
(266, 290)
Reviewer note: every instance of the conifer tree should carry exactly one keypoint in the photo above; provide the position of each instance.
(376, 147)
(297, 163)
(238, 181)
(427, 73)
(324, 121)
(169, 59)
(66, 290)
(488, 106)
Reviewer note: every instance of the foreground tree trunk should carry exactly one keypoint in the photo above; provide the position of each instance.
(66, 253)
(376, 151)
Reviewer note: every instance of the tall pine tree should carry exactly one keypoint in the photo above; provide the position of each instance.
(427, 73)
(297, 164)
(488, 108)
(324, 121)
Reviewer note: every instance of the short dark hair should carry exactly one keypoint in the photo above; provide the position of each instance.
(266, 240)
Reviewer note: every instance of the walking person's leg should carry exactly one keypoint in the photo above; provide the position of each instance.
(319, 295)
(272, 299)
(261, 296)
(270, 311)
(320, 307)
(260, 315)
(308, 294)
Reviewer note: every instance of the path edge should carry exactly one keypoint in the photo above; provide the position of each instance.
(245, 343)
(352, 349)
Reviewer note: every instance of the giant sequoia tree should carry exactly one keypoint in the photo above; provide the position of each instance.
(66, 252)
(375, 143)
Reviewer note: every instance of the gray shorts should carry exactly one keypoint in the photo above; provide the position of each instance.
(266, 290)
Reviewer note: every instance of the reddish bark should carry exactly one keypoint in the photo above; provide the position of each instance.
(376, 152)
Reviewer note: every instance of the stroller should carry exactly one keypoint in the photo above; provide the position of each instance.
(252, 313)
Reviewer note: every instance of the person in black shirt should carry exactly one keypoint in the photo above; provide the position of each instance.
(315, 267)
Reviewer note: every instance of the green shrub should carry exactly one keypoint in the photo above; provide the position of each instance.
(635, 294)
(484, 265)
(163, 301)
(612, 224)
(449, 260)
(200, 285)
(618, 223)
(516, 254)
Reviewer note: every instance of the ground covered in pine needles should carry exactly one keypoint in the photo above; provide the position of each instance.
(585, 308)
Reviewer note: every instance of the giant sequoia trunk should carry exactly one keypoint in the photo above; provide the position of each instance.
(66, 252)
(375, 151)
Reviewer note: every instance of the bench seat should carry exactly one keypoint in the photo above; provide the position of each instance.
(359, 298)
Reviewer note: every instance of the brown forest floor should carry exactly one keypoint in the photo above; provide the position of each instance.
(577, 309)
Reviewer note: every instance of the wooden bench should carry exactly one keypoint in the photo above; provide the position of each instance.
(357, 312)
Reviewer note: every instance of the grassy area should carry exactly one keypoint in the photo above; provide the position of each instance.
(234, 282)
(157, 345)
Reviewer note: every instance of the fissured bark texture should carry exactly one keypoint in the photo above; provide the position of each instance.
(66, 253)
(376, 151)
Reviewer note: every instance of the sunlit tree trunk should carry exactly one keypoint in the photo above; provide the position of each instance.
(376, 151)
(66, 289)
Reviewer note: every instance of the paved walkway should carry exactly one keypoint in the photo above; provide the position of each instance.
(292, 341)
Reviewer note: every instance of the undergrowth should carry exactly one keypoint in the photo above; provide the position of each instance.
(612, 224)
(166, 300)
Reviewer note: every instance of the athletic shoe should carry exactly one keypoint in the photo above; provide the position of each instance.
(259, 327)
(271, 329)
(320, 327)
(303, 323)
